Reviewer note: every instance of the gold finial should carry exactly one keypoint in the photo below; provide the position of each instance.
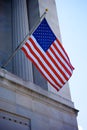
(46, 10)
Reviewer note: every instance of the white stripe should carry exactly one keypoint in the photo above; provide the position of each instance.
(60, 74)
(62, 60)
(42, 60)
(40, 67)
(48, 59)
(61, 67)
(58, 46)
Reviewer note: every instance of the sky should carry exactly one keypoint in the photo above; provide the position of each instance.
(72, 16)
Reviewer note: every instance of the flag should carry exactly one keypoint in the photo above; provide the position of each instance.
(47, 53)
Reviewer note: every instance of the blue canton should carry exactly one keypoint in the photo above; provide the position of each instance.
(44, 35)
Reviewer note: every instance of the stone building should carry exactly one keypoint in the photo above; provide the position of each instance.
(27, 101)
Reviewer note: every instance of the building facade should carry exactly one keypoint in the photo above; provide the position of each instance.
(27, 101)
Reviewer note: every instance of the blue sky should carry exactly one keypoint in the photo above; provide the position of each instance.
(72, 16)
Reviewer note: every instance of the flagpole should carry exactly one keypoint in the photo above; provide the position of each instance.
(22, 42)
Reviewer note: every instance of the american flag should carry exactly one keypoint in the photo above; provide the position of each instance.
(47, 53)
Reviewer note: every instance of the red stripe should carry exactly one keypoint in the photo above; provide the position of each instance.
(60, 70)
(32, 52)
(59, 60)
(28, 56)
(59, 43)
(69, 64)
(47, 62)
(61, 55)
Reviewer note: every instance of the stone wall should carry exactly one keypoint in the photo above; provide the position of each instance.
(28, 105)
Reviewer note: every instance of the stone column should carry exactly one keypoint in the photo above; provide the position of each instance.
(33, 16)
(5, 33)
(21, 65)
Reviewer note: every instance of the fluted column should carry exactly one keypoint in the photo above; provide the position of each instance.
(34, 15)
(21, 65)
